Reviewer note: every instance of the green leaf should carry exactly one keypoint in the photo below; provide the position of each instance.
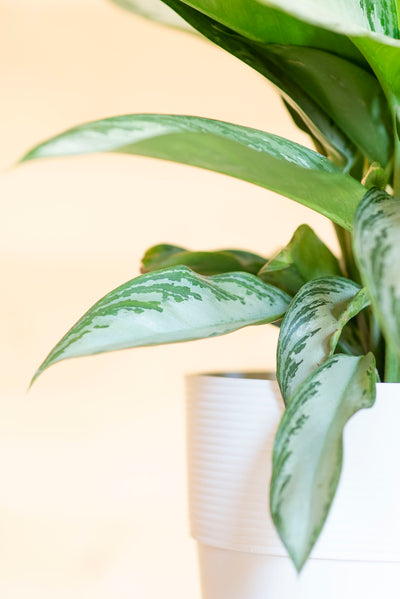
(257, 55)
(307, 457)
(248, 154)
(305, 258)
(248, 261)
(155, 256)
(357, 104)
(372, 26)
(377, 250)
(312, 326)
(308, 77)
(168, 306)
(268, 24)
(383, 54)
(154, 10)
(204, 263)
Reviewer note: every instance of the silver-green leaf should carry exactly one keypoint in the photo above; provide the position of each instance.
(307, 457)
(352, 17)
(167, 306)
(248, 154)
(312, 326)
(377, 250)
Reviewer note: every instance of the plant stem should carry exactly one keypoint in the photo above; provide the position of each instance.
(392, 362)
(392, 365)
(345, 242)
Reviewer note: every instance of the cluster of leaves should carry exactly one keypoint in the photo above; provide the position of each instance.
(336, 67)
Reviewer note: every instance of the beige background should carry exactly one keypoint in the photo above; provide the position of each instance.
(92, 470)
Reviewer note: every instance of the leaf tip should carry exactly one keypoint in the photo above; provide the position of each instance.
(299, 561)
(35, 377)
(30, 155)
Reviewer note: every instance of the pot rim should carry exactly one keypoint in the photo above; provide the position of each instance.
(236, 374)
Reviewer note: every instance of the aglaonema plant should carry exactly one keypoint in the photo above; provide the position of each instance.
(336, 66)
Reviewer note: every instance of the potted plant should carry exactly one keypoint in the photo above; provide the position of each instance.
(337, 68)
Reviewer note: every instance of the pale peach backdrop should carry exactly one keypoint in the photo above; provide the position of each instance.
(92, 469)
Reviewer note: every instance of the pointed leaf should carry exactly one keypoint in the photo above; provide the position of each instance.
(312, 326)
(305, 258)
(168, 306)
(307, 457)
(377, 250)
(248, 154)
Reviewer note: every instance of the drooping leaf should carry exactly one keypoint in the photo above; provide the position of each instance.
(307, 457)
(377, 250)
(266, 23)
(168, 306)
(308, 77)
(248, 154)
(305, 258)
(154, 10)
(372, 26)
(257, 55)
(311, 328)
(204, 263)
(349, 95)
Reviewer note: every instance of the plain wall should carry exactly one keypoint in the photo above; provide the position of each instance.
(92, 465)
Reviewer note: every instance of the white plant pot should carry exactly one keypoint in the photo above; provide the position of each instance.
(231, 424)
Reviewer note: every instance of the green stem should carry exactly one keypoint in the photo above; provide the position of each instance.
(346, 246)
(377, 343)
(392, 365)
(344, 237)
(392, 362)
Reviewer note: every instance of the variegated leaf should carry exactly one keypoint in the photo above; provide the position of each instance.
(248, 154)
(377, 250)
(307, 457)
(311, 328)
(352, 17)
(168, 306)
